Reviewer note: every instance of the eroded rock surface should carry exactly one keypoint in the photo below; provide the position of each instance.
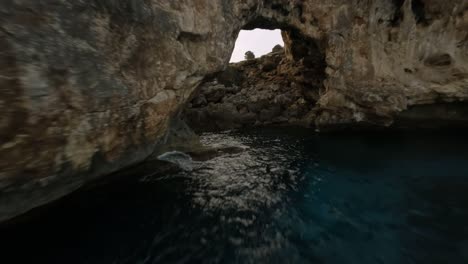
(268, 90)
(89, 87)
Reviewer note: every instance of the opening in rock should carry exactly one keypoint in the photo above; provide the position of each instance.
(258, 41)
(279, 86)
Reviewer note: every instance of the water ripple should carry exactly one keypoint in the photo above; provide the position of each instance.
(290, 197)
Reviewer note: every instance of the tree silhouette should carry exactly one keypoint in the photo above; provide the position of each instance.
(249, 55)
(277, 48)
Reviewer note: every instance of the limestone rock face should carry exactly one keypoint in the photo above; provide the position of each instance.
(383, 57)
(88, 87)
(393, 55)
(268, 90)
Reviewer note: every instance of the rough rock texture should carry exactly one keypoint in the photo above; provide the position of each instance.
(88, 87)
(268, 90)
(396, 54)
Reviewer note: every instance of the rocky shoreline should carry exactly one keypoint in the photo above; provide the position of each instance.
(270, 90)
(276, 90)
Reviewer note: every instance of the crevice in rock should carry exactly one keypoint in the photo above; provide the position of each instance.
(438, 60)
(190, 36)
(280, 8)
(418, 8)
(398, 15)
(264, 23)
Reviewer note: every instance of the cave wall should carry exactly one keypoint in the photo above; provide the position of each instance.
(382, 56)
(88, 87)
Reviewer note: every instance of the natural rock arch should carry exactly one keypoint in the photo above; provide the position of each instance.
(90, 87)
(282, 87)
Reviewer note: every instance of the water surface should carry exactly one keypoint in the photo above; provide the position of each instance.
(291, 197)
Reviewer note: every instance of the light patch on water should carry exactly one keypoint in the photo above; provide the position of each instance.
(290, 197)
(181, 159)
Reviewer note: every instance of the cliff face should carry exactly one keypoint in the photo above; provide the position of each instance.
(395, 55)
(385, 60)
(89, 87)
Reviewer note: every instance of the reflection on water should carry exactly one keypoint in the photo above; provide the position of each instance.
(291, 197)
(182, 160)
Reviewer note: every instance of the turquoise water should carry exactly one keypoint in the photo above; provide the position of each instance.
(291, 197)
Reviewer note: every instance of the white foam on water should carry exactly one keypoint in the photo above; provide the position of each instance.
(181, 159)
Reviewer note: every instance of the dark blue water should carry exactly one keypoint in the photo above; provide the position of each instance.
(291, 197)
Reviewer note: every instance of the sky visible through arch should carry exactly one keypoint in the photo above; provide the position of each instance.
(259, 41)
